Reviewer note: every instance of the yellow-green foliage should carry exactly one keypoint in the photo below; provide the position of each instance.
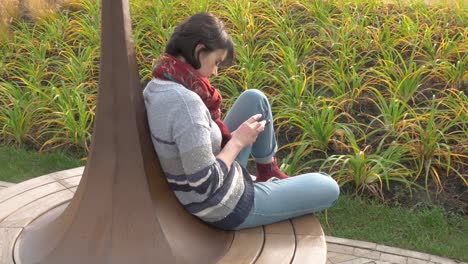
(372, 92)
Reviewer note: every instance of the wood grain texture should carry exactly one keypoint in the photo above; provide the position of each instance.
(311, 246)
(245, 247)
(18, 189)
(7, 240)
(32, 194)
(310, 249)
(70, 182)
(307, 225)
(26, 214)
(279, 245)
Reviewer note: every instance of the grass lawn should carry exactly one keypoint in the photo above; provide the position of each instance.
(431, 231)
(17, 165)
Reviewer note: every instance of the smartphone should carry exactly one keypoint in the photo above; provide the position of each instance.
(267, 121)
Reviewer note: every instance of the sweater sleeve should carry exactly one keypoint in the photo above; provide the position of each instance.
(191, 132)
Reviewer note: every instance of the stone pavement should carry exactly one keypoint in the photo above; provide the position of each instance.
(347, 251)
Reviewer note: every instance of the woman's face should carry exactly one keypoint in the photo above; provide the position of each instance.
(209, 62)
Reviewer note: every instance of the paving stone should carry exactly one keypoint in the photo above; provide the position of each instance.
(340, 248)
(359, 261)
(417, 261)
(367, 253)
(393, 258)
(441, 260)
(403, 252)
(350, 242)
(341, 258)
(331, 254)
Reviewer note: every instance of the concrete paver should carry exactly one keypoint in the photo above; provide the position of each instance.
(348, 251)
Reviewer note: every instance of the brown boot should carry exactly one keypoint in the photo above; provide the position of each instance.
(266, 171)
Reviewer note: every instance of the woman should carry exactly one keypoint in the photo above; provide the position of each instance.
(203, 157)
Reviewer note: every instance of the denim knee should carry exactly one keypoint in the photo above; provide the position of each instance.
(254, 94)
(333, 190)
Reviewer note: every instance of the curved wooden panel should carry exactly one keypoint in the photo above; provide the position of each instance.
(25, 186)
(307, 225)
(8, 237)
(310, 241)
(26, 214)
(310, 249)
(245, 247)
(11, 205)
(18, 189)
(70, 182)
(280, 244)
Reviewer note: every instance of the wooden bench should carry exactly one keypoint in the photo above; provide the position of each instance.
(4, 185)
(300, 240)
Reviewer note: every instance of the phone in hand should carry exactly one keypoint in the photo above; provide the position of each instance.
(267, 121)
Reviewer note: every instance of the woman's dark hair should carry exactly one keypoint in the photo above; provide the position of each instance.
(202, 28)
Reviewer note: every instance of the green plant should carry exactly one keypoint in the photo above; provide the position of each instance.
(393, 115)
(19, 115)
(337, 73)
(369, 171)
(70, 120)
(428, 138)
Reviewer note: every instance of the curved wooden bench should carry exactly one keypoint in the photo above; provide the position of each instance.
(299, 240)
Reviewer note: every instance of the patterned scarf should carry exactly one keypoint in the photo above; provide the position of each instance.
(171, 69)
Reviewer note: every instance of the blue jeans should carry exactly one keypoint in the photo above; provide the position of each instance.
(277, 200)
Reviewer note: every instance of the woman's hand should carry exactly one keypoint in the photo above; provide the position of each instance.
(243, 136)
(247, 132)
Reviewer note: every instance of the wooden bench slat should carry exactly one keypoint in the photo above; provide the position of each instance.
(8, 237)
(60, 175)
(280, 244)
(245, 247)
(307, 225)
(310, 241)
(6, 184)
(18, 189)
(28, 213)
(16, 202)
(310, 249)
(71, 182)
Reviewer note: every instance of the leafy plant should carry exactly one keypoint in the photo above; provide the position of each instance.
(369, 171)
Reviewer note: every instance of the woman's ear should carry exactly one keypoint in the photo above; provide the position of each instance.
(199, 47)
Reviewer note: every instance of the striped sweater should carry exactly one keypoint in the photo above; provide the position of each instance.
(187, 141)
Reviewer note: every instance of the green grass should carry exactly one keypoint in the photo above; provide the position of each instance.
(17, 165)
(428, 230)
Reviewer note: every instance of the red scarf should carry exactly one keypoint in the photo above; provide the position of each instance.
(171, 69)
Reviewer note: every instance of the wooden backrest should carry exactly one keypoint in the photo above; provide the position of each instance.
(123, 210)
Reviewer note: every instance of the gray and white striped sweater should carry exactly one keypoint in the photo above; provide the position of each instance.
(187, 141)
